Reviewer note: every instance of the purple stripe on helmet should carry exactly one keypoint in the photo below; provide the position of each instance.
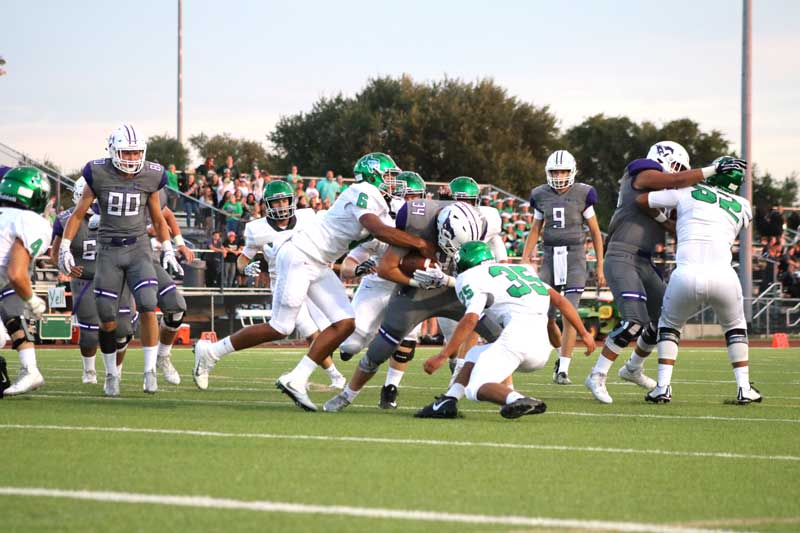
(134, 134)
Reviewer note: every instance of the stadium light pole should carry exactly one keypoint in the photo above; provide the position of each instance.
(746, 236)
(180, 72)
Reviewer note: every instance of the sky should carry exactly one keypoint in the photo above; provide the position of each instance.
(77, 69)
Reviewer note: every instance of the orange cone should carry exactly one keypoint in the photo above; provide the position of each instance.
(780, 340)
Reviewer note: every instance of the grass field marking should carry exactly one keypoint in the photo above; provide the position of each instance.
(209, 502)
(79, 396)
(411, 442)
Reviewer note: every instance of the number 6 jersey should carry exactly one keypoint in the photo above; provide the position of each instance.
(123, 201)
(84, 244)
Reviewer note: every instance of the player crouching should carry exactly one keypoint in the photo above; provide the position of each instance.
(515, 297)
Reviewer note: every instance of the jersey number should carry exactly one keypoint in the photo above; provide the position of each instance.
(362, 200)
(35, 245)
(521, 281)
(559, 220)
(89, 250)
(123, 204)
(729, 205)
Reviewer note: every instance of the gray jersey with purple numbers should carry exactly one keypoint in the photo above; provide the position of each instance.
(123, 201)
(563, 213)
(631, 229)
(84, 244)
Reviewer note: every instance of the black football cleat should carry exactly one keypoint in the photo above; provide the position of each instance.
(388, 397)
(5, 382)
(522, 407)
(442, 407)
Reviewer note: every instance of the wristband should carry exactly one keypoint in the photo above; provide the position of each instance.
(166, 246)
(708, 171)
(451, 281)
(413, 283)
(65, 243)
(660, 218)
(179, 241)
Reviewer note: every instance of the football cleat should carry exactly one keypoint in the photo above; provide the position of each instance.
(596, 383)
(659, 395)
(637, 376)
(168, 371)
(388, 397)
(5, 381)
(295, 391)
(111, 386)
(27, 381)
(89, 377)
(560, 378)
(150, 385)
(522, 407)
(345, 356)
(336, 404)
(203, 363)
(442, 407)
(339, 382)
(748, 396)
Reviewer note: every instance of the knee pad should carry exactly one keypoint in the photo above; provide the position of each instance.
(17, 326)
(88, 338)
(669, 334)
(172, 321)
(650, 334)
(736, 335)
(405, 357)
(122, 342)
(626, 332)
(366, 365)
(108, 343)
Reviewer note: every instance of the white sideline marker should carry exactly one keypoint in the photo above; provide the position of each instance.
(343, 510)
(412, 442)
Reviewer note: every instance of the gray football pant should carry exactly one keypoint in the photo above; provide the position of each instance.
(118, 266)
(576, 275)
(84, 307)
(637, 288)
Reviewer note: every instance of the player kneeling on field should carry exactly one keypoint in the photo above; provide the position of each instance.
(516, 298)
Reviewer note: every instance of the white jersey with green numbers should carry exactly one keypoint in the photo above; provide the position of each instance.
(339, 230)
(504, 292)
(709, 219)
(26, 226)
(263, 235)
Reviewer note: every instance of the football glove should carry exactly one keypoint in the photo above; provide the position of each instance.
(94, 222)
(170, 261)
(252, 270)
(431, 278)
(366, 267)
(65, 260)
(725, 165)
(35, 306)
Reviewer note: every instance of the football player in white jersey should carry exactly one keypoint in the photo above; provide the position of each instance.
(24, 236)
(361, 212)
(265, 235)
(710, 216)
(517, 299)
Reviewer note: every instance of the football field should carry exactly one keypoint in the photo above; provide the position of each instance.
(241, 457)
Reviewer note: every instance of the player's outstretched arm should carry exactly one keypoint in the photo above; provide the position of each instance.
(373, 224)
(75, 219)
(461, 334)
(643, 203)
(529, 251)
(571, 315)
(597, 241)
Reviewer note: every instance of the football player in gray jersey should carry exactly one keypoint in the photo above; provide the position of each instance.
(632, 234)
(126, 187)
(560, 209)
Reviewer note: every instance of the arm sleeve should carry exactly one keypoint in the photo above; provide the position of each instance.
(667, 198)
(87, 175)
(163, 181)
(591, 200)
(58, 229)
(360, 253)
(369, 204)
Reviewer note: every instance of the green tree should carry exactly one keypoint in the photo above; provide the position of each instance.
(245, 152)
(768, 191)
(167, 151)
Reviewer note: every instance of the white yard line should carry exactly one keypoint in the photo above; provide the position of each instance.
(209, 502)
(395, 442)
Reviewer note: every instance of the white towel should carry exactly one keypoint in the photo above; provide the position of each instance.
(559, 265)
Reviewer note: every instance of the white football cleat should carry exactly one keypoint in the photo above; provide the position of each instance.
(111, 386)
(339, 382)
(89, 377)
(28, 380)
(659, 395)
(336, 404)
(637, 376)
(168, 371)
(150, 385)
(296, 391)
(752, 395)
(203, 363)
(596, 383)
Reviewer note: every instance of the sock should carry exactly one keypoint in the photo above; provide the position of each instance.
(224, 347)
(27, 358)
(456, 391)
(742, 375)
(636, 361)
(513, 396)
(333, 372)
(110, 361)
(458, 365)
(163, 350)
(393, 377)
(563, 363)
(119, 371)
(602, 366)
(350, 394)
(304, 369)
(150, 355)
(88, 363)
(664, 375)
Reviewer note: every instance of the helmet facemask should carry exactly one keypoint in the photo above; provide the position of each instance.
(281, 212)
(391, 186)
(124, 140)
(561, 182)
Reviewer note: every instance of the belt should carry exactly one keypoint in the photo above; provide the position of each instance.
(121, 241)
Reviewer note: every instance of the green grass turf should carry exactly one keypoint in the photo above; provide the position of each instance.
(708, 491)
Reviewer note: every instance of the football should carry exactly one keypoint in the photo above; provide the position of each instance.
(414, 261)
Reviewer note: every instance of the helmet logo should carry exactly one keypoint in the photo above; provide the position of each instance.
(664, 150)
(373, 164)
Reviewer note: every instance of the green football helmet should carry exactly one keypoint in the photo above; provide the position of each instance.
(276, 190)
(472, 254)
(465, 189)
(413, 183)
(729, 181)
(380, 170)
(26, 187)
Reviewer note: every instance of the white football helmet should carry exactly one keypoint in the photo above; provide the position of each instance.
(670, 155)
(561, 160)
(126, 139)
(456, 224)
(77, 192)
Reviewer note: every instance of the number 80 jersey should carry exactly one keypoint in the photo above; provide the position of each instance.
(504, 291)
(123, 201)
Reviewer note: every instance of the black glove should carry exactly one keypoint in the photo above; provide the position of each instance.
(366, 267)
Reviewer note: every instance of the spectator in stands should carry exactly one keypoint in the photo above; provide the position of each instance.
(342, 185)
(234, 210)
(293, 176)
(206, 167)
(311, 191)
(232, 247)
(326, 204)
(509, 205)
(328, 188)
(213, 259)
(257, 184)
(230, 167)
(207, 201)
(300, 194)
(226, 185)
(510, 238)
(243, 185)
(791, 281)
(524, 208)
(486, 200)
(251, 208)
(190, 207)
(774, 226)
(793, 222)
